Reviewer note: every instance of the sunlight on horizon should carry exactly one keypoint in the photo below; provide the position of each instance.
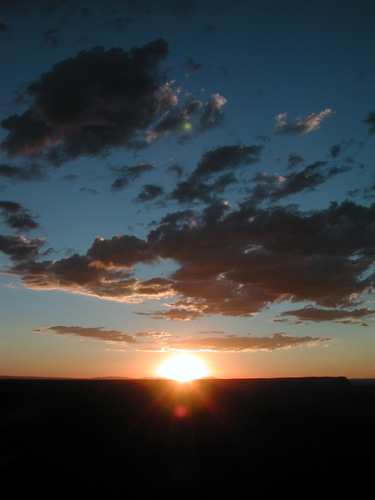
(183, 368)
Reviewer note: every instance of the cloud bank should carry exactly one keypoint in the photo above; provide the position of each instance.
(233, 262)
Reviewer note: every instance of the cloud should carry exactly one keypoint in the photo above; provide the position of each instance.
(274, 187)
(226, 157)
(177, 120)
(17, 217)
(233, 343)
(294, 160)
(175, 314)
(149, 192)
(370, 120)
(300, 126)
(212, 113)
(121, 250)
(231, 262)
(192, 65)
(317, 314)
(102, 99)
(126, 175)
(19, 248)
(235, 262)
(337, 149)
(50, 36)
(91, 102)
(92, 333)
(190, 119)
(194, 189)
(213, 162)
(31, 172)
(80, 274)
(177, 169)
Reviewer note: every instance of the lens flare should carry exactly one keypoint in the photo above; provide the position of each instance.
(183, 367)
(187, 126)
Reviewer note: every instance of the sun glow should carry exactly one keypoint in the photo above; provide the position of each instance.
(183, 368)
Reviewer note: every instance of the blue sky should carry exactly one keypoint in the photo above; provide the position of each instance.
(184, 175)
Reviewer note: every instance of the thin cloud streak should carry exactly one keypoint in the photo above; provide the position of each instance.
(300, 126)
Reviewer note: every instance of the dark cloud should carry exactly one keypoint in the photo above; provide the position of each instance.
(234, 343)
(88, 103)
(236, 262)
(193, 189)
(300, 126)
(367, 192)
(121, 250)
(31, 172)
(370, 120)
(192, 65)
(51, 37)
(19, 248)
(337, 149)
(177, 169)
(232, 262)
(149, 192)
(213, 162)
(274, 187)
(126, 175)
(102, 99)
(17, 217)
(226, 157)
(175, 313)
(10, 206)
(317, 314)
(92, 333)
(294, 160)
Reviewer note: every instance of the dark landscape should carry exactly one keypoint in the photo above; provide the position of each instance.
(244, 436)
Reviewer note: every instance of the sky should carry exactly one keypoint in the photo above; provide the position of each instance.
(184, 175)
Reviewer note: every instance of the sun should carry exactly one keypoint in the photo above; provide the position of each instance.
(183, 368)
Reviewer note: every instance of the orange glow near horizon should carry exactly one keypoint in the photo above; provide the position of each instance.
(183, 368)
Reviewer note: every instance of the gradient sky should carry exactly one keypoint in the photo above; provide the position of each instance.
(187, 175)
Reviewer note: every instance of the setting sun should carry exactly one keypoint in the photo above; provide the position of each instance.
(183, 367)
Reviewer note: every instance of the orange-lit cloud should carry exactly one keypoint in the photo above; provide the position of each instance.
(234, 343)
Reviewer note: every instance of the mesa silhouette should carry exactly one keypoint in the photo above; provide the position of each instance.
(107, 434)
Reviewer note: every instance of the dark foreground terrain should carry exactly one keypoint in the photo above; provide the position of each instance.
(133, 439)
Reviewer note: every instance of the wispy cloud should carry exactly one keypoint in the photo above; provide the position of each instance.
(300, 126)
(317, 314)
(92, 333)
(234, 343)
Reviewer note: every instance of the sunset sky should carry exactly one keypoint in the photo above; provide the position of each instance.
(187, 175)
